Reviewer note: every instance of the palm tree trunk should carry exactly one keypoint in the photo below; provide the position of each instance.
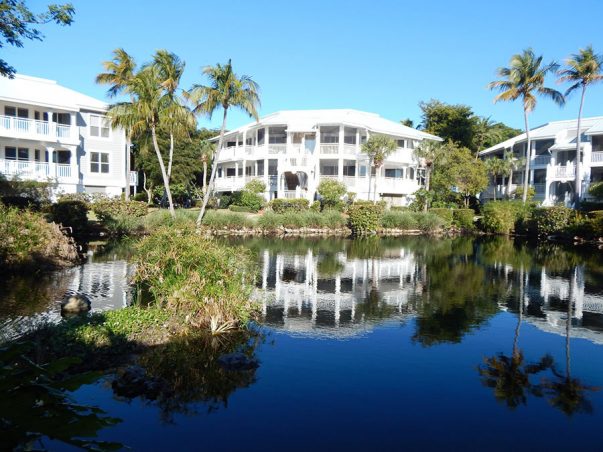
(578, 179)
(214, 168)
(427, 182)
(166, 179)
(127, 189)
(375, 184)
(494, 186)
(171, 159)
(509, 182)
(204, 175)
(370, 181)
(526, 175)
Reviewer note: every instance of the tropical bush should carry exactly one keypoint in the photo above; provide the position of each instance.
(282, 205)
(503, 217)
(107, 208)
(430, 222)
(596, 190)
(519, 193)
(70, 212)
(315, 206)
(251, 201)
(395, 219)
(255, 186)
(206, 281)
(158, 218)
(25, 193)
(331, 192)
(444, 213)
(463, 218)
(552, 220)
(28, 240)
(140, 196)
(364, 217)
(226, 220)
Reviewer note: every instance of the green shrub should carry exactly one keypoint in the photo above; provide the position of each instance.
(140, 197)
(519, 193)
(251, 201)
(332, 219)
(596, 214)
(29, 240)
(270, 221)
(395, 219)
(208, 282)
(226, 220)
(121, 225)
(23, 194)
(107, 208)
(463, 218)
(256, 186)
(429, 222)
(364, 217)
(552, 220)
(224, 201)
(596, 190)
(444, 214)
(331, 192)
(282, 205)
(70, 213)
(315, 206)
(499, 217)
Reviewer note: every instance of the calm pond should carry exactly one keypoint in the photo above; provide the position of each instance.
(407, 343)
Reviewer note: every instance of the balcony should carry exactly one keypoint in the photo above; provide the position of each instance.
(31, 129)
(40, 171)
(565, 172)
(596, 158)
(541, 160)
(329, 149)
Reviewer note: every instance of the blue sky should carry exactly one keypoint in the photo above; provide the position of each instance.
(381, 56)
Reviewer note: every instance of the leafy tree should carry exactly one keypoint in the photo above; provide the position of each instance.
(407, 122)
(378, 148)
(429, 153)
(524, 79)
(583, 69)
(17, 23)
(450, 122)
(461, 173)
(495, 167)
(331, 192)
(225, 90)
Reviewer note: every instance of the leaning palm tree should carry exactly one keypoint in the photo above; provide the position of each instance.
(524, 79)
(583, 69)
(144, 114)
(119, 72)
(224, 90)
(378, 148)
(207, 150)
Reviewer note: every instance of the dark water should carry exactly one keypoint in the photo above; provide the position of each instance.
(389, 344)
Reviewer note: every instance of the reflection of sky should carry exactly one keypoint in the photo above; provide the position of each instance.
(299, 297)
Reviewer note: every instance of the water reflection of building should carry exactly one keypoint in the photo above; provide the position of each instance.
(327, 294)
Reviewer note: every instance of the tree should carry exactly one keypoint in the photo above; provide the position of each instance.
(331, 192)
(449, 122)
(459, 172)
(225, 90)
(524, 79)
(17, 23)
(378, 148)
(407, 122)
(428, 153)
(484, 132)
(583, 69)
(511, 164)
(495, 167)
(119, 72)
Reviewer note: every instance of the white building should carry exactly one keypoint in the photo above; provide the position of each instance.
(292, 151)
(52, 133)
(553, 160)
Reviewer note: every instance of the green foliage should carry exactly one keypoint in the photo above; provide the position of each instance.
(503, 217)
(429, 222)
(331, 192)
(107, 208)
(226, 220)
(519, 193)
(315, 206)
(282, 205)
(364, 217)
(28, 194)
(378, 148)
(158, 218)
(241, 209)
(247, 199)
(271, 221)
(596, 190)
(140, 197)
(451, 122)
(256, 186)
(552, 220)
(29, 240)
(422, 198)
(463, 218)
(121, 225)
(18, 23)
(444, 214)
(399, 220)
(209, 282)
(70, 212)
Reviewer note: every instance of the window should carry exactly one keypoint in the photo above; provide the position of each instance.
(99, 162)
(231, 172)
(18, 112)
(273, 167)
(329, 170)
(277, 135)
(260, 167)
(64, 119)
(37, 155)
(329, 135)
(349, 170)
(261, 133)
(99, 126)
(411, 144)
(349, 135)
(362, 171)
(240, 171)
(10, 153)
(411, 173)
(517, 177)
(400, 143)
(394, 172)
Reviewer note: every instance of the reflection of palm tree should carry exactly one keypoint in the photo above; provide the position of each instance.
(566, 393)
(509, 376)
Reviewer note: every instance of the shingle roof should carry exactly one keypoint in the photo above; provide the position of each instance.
(46, 93)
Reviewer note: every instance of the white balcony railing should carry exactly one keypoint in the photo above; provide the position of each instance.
(277, 148)
(565, 171)
(329, 149)
(349, 181)
(31, 128)
(28, 169)
(596, 157)
(349, 149)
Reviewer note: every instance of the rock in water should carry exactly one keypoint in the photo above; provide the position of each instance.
(75, 304)
(238, 361)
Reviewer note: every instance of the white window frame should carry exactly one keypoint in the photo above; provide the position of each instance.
(102, 120)
(100, 163)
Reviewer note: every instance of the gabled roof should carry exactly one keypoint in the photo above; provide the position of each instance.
(551, 130)
(306, 121)
(46, 93)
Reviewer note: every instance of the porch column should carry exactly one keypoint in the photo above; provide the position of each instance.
(266, 177)
(340, 153)
(357, 140)
(52, 132)
(52, 167)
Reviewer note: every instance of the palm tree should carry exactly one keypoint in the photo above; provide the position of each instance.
(511, 164)
(484, 132)
(225, 90)
(119, 73)
(378, 148)
(207, 150)
(144, 114)
(495, 167)
(583, 69)
(524, 79)
(427, 153)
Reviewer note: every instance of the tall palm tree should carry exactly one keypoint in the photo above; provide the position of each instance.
(428, 153)
(224, 90)
(207, 150)
(119, 72)
(484, 132)
(144, 114)
(583, 69)
(495, 167)
(524, 79)
(511, 164)
(378, 148)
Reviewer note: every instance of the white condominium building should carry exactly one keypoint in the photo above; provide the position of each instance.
(553, 160)
(292, 151)
(52, 133)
